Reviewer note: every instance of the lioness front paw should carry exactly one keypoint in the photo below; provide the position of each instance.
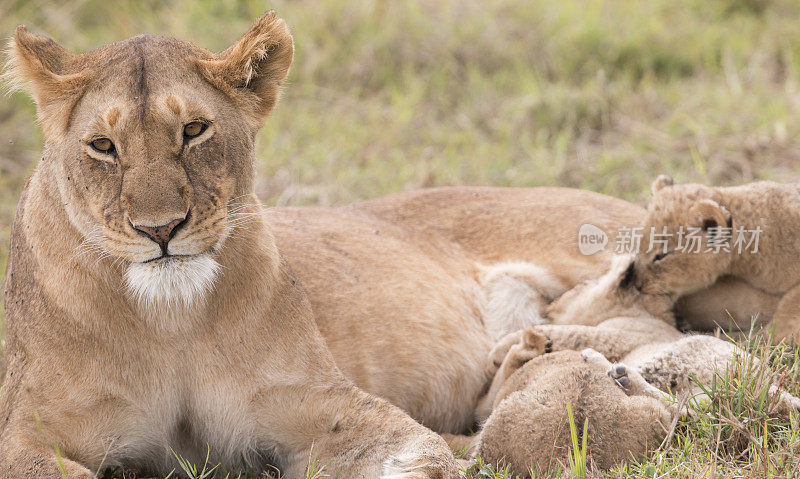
(422, 458)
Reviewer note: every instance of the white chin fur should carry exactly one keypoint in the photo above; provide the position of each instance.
(178, 282)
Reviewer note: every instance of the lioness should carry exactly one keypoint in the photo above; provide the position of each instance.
(143, 317)
(746, 232)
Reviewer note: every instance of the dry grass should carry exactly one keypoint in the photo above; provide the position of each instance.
(387, 96)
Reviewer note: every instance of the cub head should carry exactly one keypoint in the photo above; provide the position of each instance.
(149, 143)
(686, 239)
(613, 295)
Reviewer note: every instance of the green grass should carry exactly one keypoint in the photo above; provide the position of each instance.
(577, 457)
(737, 433)
(604, 95)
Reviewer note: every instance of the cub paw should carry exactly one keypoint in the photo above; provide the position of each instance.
(630, 381)
(619, 373)
(591, 356)
(536, 343)
(518, 347)
(530, 345)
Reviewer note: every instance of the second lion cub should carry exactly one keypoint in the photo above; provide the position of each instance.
(747, 232)
(529, 429)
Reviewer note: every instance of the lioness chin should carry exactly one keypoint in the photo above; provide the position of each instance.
(144, 322)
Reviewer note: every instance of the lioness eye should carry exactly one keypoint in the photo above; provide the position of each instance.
(194, 129)
(659, 257)
(103, 145)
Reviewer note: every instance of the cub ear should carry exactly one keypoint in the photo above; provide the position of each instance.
(624, 267)
(662, 182)
(707, 214)
(251, 70)
(55, 76)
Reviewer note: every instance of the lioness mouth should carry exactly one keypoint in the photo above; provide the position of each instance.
(166, 258)
(172, 279)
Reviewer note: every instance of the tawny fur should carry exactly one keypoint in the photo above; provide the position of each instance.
(108, 371)
(664, 356)
(524, 411)
(395, 283)
(522, 238)
(774, 268)
(401, 285)
(517, 295)
(528, 428)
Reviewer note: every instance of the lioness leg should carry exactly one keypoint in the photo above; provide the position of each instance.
(352, 434)
(24, 459)
(787, 317)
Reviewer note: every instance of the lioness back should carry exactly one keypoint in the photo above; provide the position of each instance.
(493, 225)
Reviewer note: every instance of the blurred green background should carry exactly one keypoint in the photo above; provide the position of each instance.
(386, 96)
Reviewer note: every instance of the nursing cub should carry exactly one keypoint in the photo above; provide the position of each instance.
(705, 233)
(528, 429)
(524, 413)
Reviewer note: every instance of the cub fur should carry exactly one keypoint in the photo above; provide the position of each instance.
(757, 221)
(664, 356)
(528, 428)
(520, 412)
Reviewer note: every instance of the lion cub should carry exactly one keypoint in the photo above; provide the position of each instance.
(524, 408)
(528, 428)
(703, 233)
(614, 320)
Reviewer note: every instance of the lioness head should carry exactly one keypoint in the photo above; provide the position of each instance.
(685, 241)
(151, 143)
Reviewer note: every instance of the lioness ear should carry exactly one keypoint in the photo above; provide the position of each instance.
(707, 214)
(54, 74)
(251, 70)
(662, 182)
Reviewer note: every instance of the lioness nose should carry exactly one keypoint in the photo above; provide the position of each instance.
(161, 234)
